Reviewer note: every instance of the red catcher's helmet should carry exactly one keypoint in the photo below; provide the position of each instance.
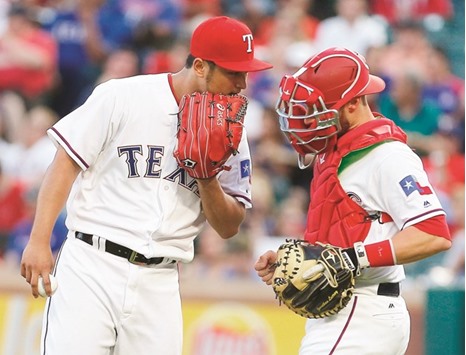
(310, 98)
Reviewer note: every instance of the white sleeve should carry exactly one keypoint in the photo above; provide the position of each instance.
(84, 132)
(237, 181)
(405, 192)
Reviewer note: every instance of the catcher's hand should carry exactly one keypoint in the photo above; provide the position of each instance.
(314, 281)
(210, 127)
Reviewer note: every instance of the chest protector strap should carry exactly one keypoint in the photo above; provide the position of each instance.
(333, 216)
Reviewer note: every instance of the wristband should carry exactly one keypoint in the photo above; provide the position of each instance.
(377, 254)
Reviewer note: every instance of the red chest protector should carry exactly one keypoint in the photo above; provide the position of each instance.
(333, 216)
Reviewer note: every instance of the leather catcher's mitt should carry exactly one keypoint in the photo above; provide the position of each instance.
(314, 281)
(210, 127)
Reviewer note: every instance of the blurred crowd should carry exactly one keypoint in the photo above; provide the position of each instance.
(54, 52)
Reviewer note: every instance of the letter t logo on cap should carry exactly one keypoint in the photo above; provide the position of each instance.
(248, 38)
(223, 40)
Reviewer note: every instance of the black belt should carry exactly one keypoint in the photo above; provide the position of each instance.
(389, 289)
(124, 252)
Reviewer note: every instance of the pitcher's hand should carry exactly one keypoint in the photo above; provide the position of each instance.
(37, 260)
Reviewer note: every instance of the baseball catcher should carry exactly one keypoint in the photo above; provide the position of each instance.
(314, 281)
(210, 127)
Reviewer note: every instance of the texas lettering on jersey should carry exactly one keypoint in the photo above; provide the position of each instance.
(153, 162)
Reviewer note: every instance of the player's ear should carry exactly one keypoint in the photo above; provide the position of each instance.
(200, 67)
(353, 104)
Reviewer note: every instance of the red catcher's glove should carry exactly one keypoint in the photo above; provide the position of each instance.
(210, 127)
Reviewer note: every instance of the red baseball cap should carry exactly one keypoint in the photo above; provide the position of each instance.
(228, 43)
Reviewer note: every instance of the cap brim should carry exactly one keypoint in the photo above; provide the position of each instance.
(246, 66)
(375, 85)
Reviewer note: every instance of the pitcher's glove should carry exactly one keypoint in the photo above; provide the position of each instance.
(210, 127)
(314, 281)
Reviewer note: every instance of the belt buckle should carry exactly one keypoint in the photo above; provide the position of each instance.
(132, 258)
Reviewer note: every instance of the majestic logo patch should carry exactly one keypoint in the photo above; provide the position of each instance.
(410, 184)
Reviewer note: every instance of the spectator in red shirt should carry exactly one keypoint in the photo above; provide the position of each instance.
(28, 56)
(12, 206)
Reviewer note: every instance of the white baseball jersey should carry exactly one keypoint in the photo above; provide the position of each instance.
(131, 190)
(389, 178)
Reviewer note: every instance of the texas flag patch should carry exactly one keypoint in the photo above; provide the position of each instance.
(410, 184)
(245, 168)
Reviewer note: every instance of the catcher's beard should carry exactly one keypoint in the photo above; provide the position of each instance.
(344, 124)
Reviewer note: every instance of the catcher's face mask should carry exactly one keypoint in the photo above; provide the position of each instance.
(309, 101)
(304, 118)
